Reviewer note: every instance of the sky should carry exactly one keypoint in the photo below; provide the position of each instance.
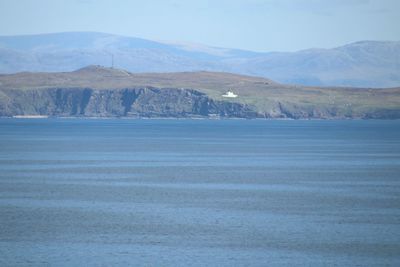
(259, 25)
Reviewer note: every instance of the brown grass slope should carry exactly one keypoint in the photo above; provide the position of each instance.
(266, 96)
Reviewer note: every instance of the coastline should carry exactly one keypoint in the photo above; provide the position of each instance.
(30, 117)
(192, 118)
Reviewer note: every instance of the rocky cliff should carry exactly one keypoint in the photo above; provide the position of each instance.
(130, 102)
(97, 91)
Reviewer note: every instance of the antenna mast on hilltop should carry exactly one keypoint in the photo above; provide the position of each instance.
(112, 57)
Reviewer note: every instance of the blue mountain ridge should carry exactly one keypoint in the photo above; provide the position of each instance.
(360, 64)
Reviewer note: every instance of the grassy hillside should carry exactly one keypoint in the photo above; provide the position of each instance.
(264, 95)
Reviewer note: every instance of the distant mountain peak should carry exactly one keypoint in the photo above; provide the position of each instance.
(360, 64)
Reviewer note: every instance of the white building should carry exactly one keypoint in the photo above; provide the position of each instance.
(229, 94)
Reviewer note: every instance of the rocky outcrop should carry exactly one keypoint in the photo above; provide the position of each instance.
(129, 102)
(152, 102)
(97, 91)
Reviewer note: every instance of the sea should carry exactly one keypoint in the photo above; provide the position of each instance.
(177, 192)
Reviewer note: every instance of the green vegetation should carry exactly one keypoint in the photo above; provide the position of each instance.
(264, 96)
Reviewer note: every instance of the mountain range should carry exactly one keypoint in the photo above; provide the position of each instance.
(361, 64)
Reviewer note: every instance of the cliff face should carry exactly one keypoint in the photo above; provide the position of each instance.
(97, 91)
(154, 102)
(132, 102)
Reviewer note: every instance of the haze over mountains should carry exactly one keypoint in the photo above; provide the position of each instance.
(360, 64)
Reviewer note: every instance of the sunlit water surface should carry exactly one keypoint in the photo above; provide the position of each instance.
(78, 192)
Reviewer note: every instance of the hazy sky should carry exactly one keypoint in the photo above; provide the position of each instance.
(263, 25)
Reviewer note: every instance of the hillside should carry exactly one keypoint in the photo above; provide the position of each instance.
(361, 64)
(105, 92)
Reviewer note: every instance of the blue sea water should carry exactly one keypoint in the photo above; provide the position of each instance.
(81, 192)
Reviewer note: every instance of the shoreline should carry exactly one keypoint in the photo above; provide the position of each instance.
(30, 117)
(192, 118)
